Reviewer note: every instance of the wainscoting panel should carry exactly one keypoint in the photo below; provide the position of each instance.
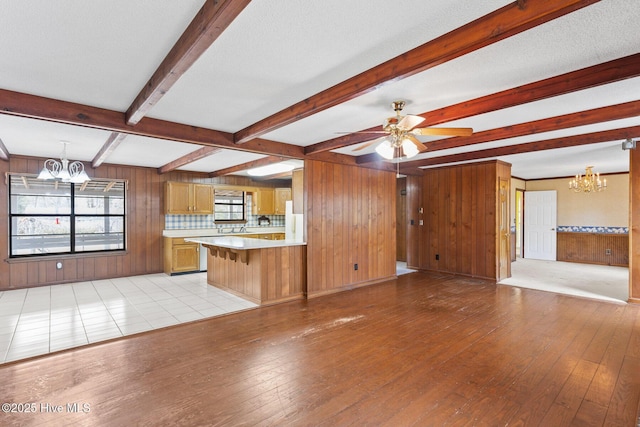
(594, 248)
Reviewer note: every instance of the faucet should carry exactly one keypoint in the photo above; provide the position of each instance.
(243, 229)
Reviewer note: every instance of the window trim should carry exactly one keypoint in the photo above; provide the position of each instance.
(243, 204)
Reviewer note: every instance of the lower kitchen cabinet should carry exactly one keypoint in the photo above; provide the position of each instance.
(180, 256)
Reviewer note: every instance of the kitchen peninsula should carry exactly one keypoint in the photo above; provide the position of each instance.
(262, 271)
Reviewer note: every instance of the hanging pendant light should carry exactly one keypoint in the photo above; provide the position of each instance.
(63, 170)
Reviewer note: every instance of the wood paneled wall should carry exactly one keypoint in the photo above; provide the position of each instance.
(350, 216)
(145, 222)
(458, 206)
(592, 248)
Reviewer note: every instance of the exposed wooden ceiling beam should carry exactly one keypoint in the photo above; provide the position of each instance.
(36, 107)
(280, 175)
(4, 153)
(580, 118)
(548, 144)
(498, 25)
(248, 165)
(107, 148)
(605, 73)
(200, 153)
(212, 19)
(40, 108)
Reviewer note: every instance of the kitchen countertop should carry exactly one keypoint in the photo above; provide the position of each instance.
(213, 232)
(244, 243)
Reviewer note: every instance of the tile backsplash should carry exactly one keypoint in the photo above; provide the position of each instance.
(592, 229)
(174, 222)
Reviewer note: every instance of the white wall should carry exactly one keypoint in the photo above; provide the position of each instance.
(608, 208)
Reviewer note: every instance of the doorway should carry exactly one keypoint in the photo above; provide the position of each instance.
(504, 264)
(401, 219)
(518, 222)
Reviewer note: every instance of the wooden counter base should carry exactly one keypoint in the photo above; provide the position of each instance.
(264, 276)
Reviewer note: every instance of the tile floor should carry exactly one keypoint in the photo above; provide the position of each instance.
(42, 320)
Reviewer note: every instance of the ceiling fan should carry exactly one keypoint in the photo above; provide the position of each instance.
(400, 139)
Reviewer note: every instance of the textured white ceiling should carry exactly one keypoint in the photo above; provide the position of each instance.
(99, 53)
(279, 52)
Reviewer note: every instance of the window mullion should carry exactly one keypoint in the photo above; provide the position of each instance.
(72, 220)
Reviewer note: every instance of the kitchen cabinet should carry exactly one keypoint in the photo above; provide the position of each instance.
(180, 256)
(259, 271)
(264, 202)
(282, 195)
(188, 198)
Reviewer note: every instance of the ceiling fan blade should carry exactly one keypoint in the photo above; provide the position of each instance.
(364, 131)
(409, 122)
(443, 131)
(369, 144)
(419, 145)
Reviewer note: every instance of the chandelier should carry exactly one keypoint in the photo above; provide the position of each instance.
(63, 170)
(589, 183)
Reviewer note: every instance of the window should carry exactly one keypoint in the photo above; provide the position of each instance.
(53, 217)
(229, 206)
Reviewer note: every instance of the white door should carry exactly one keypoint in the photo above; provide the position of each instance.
(540, 217)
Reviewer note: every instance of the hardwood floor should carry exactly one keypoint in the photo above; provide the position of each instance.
(425, 349)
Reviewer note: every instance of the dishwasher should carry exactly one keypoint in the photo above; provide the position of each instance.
(203, 258)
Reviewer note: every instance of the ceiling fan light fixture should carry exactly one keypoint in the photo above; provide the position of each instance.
(385, 149)
(409, 148)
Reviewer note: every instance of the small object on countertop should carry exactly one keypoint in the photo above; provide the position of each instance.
(263, 220)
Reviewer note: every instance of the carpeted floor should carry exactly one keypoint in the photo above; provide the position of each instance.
(585, 280)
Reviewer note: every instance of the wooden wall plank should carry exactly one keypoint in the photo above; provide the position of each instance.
(465, 250)
(460, 214)
(350, 211)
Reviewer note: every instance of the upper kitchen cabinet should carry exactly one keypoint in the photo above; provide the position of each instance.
(270, 201)
(282, 195)
(188, 198)
(264, 202)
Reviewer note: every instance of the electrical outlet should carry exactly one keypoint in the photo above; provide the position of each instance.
(607, 251)
(355, 266)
